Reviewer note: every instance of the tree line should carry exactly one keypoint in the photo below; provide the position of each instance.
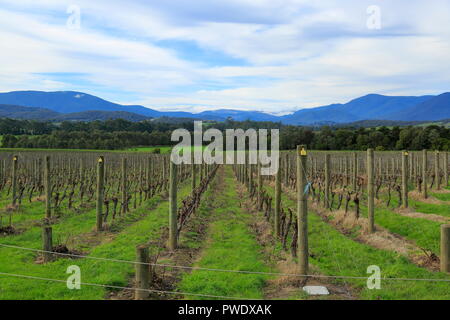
(120, 134)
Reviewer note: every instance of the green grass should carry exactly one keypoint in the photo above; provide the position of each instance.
(163, 149)
(229, 245)
(336, 254)
(442, 196)
(148, 228)
(424, 233)
(439, 209)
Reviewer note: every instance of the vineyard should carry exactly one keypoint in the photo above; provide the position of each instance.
(137, 226)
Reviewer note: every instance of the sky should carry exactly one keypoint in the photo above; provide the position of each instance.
(276, 56)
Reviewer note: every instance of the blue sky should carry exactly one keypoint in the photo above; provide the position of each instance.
(269, 55)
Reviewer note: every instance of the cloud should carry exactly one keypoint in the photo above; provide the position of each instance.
(275, 55)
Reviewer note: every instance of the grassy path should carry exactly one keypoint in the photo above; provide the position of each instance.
(231, 245)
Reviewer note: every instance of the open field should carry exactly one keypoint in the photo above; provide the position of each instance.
(136, 226)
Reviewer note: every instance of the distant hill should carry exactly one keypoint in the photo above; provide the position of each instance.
(25, 113)
(380, 123)
(436, 108)
(237, 115)
(30, 113)
(325, 114)
(100, 115)
(369, 107)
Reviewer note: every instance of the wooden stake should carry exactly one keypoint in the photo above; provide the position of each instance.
(142, 273)
(48, 188)
(100, 191)
(445, 248)
(173, 229)
(124, 186)
(15, 161)
(437, 170)
(424, 174)
(355, 170)
(47, 243)
(302, 210)
(276, 216)
(370, 190)
(327, 180)
(405, 179)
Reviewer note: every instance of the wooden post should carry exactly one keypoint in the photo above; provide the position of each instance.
(201, 172)
(47, 243)
(286, 169)
(164, 173)
(250, 178)
(194, 173)
(149, 171)
(445, 248)
(142, 273)
(410, 166)
(405, 179)
(437, 170)
(302, 210)
(355, 170)
(445, 167)
(124, 185)
(173, 229)
(15, 161)
(370, 190)
(276, 216)
(100, 191)
(260, 184)
(48, 188)
(327, 181)
(347, 171)
(424, 174)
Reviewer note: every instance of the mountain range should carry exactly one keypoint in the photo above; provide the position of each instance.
(78, 106)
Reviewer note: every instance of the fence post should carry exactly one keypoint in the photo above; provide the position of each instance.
(124, 185)
(250, 177)
(347, 172)
(327, 180)
(194, 173)
(260, 184)
(149, 171)
(48, 188)
(355, 170)
(100, 191)
(142, 273)
(276, 216)
(424, 173)
(437, 170)
(15, 161)
(446, 168)
(370, 190)
(405, 179)
(302, 210)
(445, 248)
(173, 229)
(47, 243)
